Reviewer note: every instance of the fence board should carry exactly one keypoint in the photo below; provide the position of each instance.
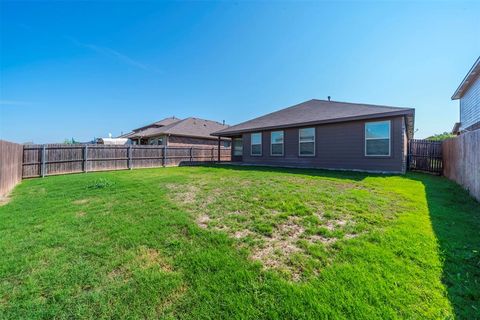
(10, 166)
(461, 156)
(425, 155)
(62, 159)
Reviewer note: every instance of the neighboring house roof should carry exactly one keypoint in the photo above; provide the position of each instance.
(163, 122)
(314, 112)
(456, 128)
(468, 80)
(190, 127)
(112, 141)
(126, 135)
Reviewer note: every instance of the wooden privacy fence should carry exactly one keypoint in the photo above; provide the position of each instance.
(51, 159)
(10, 165)
(461, 156)
(425, 155)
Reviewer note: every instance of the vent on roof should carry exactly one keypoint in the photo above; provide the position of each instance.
(329, 98)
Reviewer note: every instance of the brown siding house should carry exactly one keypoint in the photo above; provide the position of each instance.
(326, 134)
(174, 132)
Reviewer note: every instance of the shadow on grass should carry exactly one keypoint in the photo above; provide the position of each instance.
(336, 174)
(455, 218)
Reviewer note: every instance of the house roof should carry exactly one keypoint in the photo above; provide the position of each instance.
(456, 128)
(163, 122)
(470, 78)
(190, 127)
(315, 111)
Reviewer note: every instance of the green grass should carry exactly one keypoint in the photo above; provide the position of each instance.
(239, 243)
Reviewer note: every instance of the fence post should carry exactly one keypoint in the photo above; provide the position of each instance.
(165, 154)
(213, 153)
(129, 156)
(44, 152)
(85, 158)
(191, 154)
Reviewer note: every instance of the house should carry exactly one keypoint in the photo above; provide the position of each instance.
(176, 132)
(469, 95)
(112, 141)
(326, 134)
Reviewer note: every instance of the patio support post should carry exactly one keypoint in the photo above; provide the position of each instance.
(219, 140)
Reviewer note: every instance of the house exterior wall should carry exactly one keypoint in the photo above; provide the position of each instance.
(470, 107)
(337, 146)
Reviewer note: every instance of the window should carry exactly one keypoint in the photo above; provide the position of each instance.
(155, 141)
(377, 138)
(237, 147)
(306, 142)
(256, 143)
(276, 143)
(226, 144)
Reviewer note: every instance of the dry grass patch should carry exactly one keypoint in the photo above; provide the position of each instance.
(166, 305)
(82, 201)
(4, 200)
(80, 214)
(148, 258)
(276, 220)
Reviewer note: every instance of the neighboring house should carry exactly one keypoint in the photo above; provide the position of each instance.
(112, 141)
(326, 134)
(179, 133)
(469, 94)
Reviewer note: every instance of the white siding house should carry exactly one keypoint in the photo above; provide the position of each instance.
(469, 95)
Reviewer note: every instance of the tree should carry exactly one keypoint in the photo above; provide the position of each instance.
(441, 136)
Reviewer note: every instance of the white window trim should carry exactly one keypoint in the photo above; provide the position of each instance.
(283, 144)
(389, 139)
(314, 143)
(260, 144)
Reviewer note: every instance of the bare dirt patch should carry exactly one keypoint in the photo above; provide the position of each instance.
(242, 234)
(202, 221)
(277, 249)
(318, 238)
(335, 224)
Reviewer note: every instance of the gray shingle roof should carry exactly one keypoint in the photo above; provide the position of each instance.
(163, 122)
(315, 112)
(190, 127)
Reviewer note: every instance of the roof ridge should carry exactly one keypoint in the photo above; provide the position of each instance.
(363, 104)
(207, 120)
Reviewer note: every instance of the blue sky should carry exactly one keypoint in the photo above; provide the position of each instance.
(86, 69)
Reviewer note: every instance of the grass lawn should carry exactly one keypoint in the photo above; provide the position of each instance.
(239, 243)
